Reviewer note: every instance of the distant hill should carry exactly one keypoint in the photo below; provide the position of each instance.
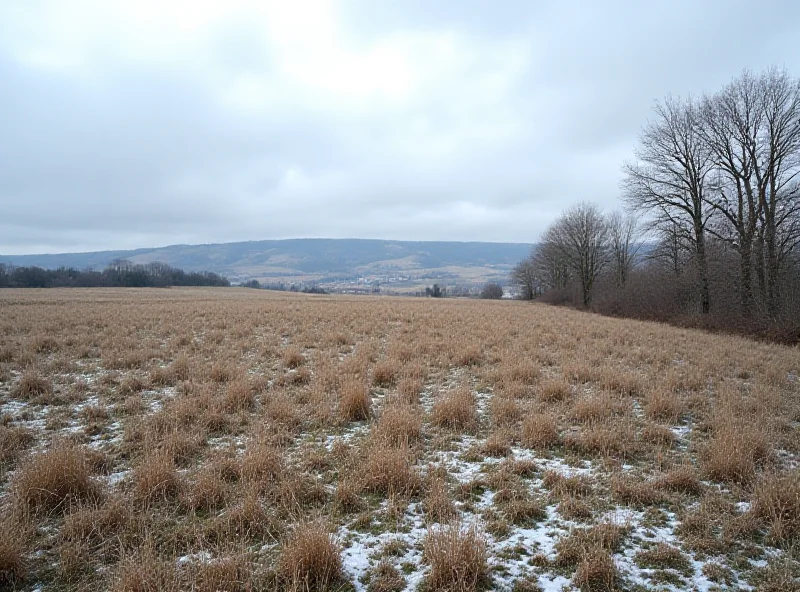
(404, 263)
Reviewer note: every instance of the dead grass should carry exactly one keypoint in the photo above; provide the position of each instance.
(456, 410)
(222, 420)
(540, 431)
(54, 479)
(310, 559)
(776, 502)
(355, 403)
(457, 558)
(13, 565)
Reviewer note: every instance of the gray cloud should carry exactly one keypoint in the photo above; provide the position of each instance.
(144, 124)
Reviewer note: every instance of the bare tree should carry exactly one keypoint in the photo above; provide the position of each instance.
(670, 179)
(731, 121)
(525, 278)
(623, 240)
(550, 265)
(580, 239)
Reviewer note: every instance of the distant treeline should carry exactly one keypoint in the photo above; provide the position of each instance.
(118, 274)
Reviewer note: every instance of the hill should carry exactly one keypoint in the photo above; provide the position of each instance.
(335, 262)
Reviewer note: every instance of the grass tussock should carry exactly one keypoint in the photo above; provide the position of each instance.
(13, 564)
(776, 503)
(389, 470)
(32, 384)
(399, 424)
(457, 558)
(735, 451)
(456, 410)
(540, 431)
(355, 402)
(310, 559)
(54, 479)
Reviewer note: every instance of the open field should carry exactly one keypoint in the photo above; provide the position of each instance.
(231, 439)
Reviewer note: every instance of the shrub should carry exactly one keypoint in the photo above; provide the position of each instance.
(310, 559)
(55, 478)
(492, 291)
(457, 557)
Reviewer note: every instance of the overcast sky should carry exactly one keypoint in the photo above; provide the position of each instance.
(155, 122)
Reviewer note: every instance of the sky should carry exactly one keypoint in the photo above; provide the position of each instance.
(156, 122)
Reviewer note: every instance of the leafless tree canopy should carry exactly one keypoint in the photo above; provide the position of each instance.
(716, 183)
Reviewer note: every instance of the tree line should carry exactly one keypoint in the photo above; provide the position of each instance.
(118, 274)
(716, 184)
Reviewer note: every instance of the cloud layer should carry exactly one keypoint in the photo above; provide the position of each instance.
(130, 124)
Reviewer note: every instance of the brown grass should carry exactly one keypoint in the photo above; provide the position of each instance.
(156, 479)
(355, 403)
(540, 431)
(54, 479)
(310, 559)
(457, 559)
(596, 572)
(776, 502)
(13, 565)
(456, 410)
(399, 424)
(32, 384)
(385, 373)
(389, 470)
(735, 451)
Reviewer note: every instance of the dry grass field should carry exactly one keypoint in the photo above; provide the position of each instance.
(231, 439)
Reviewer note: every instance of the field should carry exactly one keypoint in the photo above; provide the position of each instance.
(231, 439)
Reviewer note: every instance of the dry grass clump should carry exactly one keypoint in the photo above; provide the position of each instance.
(664, 405)
(399, 424)
(55, 478)
(633, 492)
(261, 464)
(240, 395)
(355, 403)
(222, 371)
(13, 565)
(573, 508)
(293, 357)
(505, 411)
(582, 542)
(596, 572)
(776, 502)
(14, 440)
(143, 571)
(609, 439)
(386, 578)
(681, 479)
(310, 559)
(32, 384)
(408, 389)
(663, 556)
(524, 373)
(735, 451)
(437, 503)
(555, 391)
(208, 492)
(517, 504)
(595, 408)
(390, 470)
(385, 373)
(658, 435)
(540, 431)
(563, 485)
(456, 409)
(457, 558)
(498, 443)
(156, 479)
